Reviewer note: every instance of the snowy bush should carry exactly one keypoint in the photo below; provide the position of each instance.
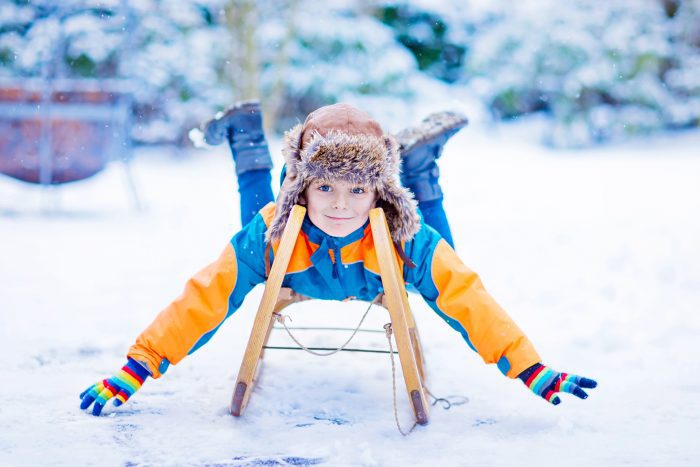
(428, 36)
(602, 70)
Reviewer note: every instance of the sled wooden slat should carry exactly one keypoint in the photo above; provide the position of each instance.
(413, 332)
(397, 302)
(263, 318)
(275, 298)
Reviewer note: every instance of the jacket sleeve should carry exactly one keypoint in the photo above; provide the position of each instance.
(211, 296)
(456, 293)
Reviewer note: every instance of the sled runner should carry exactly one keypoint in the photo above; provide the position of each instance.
(394, 299)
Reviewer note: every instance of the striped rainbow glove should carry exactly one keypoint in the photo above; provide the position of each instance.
(122, 386)
(546, 383)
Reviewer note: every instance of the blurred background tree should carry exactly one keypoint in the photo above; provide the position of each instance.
(601, 71)
(597, 71)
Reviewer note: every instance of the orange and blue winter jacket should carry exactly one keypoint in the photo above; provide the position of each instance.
(332, 268)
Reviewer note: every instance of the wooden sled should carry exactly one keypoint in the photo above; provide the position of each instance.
(394, 299)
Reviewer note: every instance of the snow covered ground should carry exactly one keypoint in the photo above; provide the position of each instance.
(594, 253)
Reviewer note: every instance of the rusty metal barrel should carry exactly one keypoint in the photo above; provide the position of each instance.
(60, 131)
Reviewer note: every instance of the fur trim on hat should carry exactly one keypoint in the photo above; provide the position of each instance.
(354, 158)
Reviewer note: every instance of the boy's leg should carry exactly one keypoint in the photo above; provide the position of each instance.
(255, 188)
(421, 146)
(241, 126)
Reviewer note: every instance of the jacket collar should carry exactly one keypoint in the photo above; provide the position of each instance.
(318, 236)
(332, 271)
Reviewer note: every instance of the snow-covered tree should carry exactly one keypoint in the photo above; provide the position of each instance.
(186, 59)
(602, 70)
(315, 56)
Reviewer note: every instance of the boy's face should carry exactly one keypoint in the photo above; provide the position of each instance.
(338, 208)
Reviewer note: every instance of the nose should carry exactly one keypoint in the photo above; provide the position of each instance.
(339, 200)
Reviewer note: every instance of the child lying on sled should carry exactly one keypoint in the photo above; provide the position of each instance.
(339, 164)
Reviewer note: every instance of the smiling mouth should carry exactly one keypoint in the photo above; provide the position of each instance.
(339, 218)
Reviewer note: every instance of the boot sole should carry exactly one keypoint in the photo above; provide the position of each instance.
(215, 129)
(431, 129)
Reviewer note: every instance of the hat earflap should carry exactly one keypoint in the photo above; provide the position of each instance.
(400, 209)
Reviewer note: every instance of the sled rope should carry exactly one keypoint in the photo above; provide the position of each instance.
(446, 402)
(387, 328)
(282, 318)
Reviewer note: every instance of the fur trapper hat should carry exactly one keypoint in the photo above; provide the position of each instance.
(340, 142)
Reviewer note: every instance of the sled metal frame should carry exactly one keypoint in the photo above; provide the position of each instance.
(394, 299)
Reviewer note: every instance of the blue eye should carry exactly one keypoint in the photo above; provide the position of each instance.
(324, 188)
(358, 190)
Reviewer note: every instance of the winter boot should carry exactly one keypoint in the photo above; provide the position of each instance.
(241, 125)
(420, 147)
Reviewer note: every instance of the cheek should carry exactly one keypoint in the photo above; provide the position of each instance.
(373, 201)
(365, 205)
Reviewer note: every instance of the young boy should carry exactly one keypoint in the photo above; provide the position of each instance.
(340, 164)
